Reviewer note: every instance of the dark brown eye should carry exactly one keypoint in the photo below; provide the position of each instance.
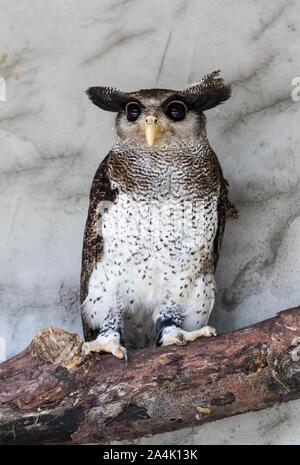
(176, 110)
(133, 111)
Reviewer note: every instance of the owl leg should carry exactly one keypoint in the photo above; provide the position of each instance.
(168, 318)
(197, 308)
(169, 322)
(109, 338)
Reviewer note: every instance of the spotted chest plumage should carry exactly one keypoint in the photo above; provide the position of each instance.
(152, 238)
(158, 238)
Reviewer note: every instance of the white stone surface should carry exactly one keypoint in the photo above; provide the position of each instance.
(52, 140)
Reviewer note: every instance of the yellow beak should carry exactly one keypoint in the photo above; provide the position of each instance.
(151, 134)
(151, 130)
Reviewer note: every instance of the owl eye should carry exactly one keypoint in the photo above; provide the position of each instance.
(133, 111)
(176, 110)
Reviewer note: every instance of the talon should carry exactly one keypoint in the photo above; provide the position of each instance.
(120, 352)
(86, 348)
(125, 355)
(209, 331)
(182, 339)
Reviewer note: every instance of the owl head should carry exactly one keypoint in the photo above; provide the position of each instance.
(160, 116)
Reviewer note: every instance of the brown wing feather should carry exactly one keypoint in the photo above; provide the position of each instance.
(225, 210)
(93, 241)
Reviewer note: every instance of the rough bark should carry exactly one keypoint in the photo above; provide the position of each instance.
(48, 395)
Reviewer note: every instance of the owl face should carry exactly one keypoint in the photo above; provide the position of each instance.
(154, 117)
(157, 117)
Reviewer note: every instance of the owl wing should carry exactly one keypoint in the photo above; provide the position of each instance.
(225, 210)
(93, 241)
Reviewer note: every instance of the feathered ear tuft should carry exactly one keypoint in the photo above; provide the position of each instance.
(107, 98)
(207, 93)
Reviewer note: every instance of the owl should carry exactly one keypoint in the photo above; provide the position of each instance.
(156, 219)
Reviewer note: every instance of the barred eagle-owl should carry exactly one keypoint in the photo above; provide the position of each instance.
(156, 219)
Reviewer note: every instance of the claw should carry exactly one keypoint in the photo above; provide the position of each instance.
(120, 353)
(125, 355)
(83, 353)
(182, 340)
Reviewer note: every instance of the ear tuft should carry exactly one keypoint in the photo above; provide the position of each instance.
(107, 98)
(207, 93)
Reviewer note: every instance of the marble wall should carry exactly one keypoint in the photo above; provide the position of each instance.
(52, 140)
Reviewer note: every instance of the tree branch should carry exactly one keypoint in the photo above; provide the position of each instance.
(48, 395)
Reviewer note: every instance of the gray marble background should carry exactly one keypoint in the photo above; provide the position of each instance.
(52, 140)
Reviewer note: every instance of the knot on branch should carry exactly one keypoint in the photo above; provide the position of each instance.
(284, 364)
(57, 346)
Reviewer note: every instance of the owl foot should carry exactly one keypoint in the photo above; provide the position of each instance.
(107, 342)
(174, 335)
